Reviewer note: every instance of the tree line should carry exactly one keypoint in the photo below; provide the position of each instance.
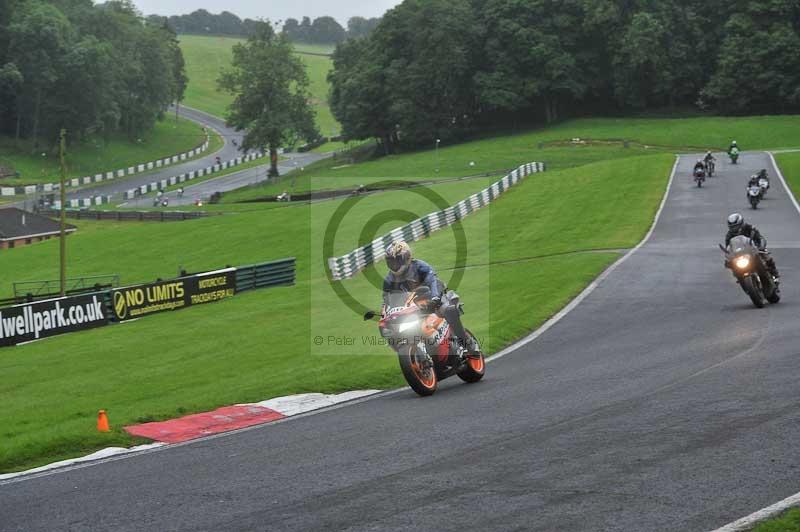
(201, 22)
(93, 69)
(438, 69)
(322, 30)
(326, 30)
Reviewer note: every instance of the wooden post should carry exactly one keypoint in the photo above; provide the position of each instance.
(63, 276)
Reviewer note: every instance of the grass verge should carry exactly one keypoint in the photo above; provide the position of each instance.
(94, 155)
(647, 136)
(790, 168)
(788, 522)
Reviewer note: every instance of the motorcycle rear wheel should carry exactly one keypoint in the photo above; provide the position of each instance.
(422, 380)
(754, 290)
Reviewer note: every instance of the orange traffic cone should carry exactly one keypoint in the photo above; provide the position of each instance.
(102, 422)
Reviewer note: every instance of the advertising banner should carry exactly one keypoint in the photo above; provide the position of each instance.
(142, 300)
(42, 319)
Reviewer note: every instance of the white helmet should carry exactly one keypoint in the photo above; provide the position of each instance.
(735, 221)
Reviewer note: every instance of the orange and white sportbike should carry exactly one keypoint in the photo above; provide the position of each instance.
(425, 344)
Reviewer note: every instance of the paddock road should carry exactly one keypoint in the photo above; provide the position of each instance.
(663, 402)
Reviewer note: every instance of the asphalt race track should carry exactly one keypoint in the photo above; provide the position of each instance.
(665, 401)
(236, 180)
(228, 151)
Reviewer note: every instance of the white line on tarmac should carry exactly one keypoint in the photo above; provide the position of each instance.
(750, 521)
(593, 286)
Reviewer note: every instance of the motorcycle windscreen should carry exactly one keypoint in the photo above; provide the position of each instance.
(741, 245)
(397, 300)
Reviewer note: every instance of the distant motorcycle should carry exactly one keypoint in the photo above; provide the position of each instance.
(711, 167)
(763, 182)
(699, 176)
(744, 259)
(754, 195)
(734, 155)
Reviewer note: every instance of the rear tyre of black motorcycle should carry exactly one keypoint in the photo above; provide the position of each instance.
(475, 368)
(423, 381)
(754, 291)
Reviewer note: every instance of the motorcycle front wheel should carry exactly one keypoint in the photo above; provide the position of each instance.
(475, 368)
(419, 371)
(753, 289)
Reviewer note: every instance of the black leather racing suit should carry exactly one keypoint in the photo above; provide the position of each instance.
(421, 273)
(753, 234)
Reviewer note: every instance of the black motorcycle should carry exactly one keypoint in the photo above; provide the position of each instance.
(711, 167)
(745, 260)
(699, 176)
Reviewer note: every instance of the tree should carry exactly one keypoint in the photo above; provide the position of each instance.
(40, 36)
(360, 96)
(533, 56)
(325, 30)
(271, 95)
(358, 27)
(758, 67)
(292, 29)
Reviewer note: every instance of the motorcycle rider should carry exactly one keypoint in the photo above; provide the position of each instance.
(733, 145)
(699, 165)
(709, 159)
(738, 227)
(406, 274)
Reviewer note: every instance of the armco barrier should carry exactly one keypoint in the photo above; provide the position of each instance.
(349, 265)
(134, 216)
(40, 319)
(105, 176)
(276, 273)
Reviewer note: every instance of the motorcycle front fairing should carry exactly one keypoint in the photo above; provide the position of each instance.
(743, 257)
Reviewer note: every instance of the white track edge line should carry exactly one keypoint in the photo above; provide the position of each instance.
(748, 522)
(508, 350)
(783, 181)
(594, 284)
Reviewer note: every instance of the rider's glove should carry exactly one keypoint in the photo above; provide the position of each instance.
(436, 302)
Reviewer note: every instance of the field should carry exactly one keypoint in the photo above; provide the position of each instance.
(602, 139)
(259, 345)
(207, 56)
(92, 156)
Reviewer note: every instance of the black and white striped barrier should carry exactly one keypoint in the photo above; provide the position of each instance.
(182, 178)
(349, 265)
(97, 178)
(83, 202)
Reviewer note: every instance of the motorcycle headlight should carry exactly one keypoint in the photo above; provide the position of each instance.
(407, 326)
(742, 262)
